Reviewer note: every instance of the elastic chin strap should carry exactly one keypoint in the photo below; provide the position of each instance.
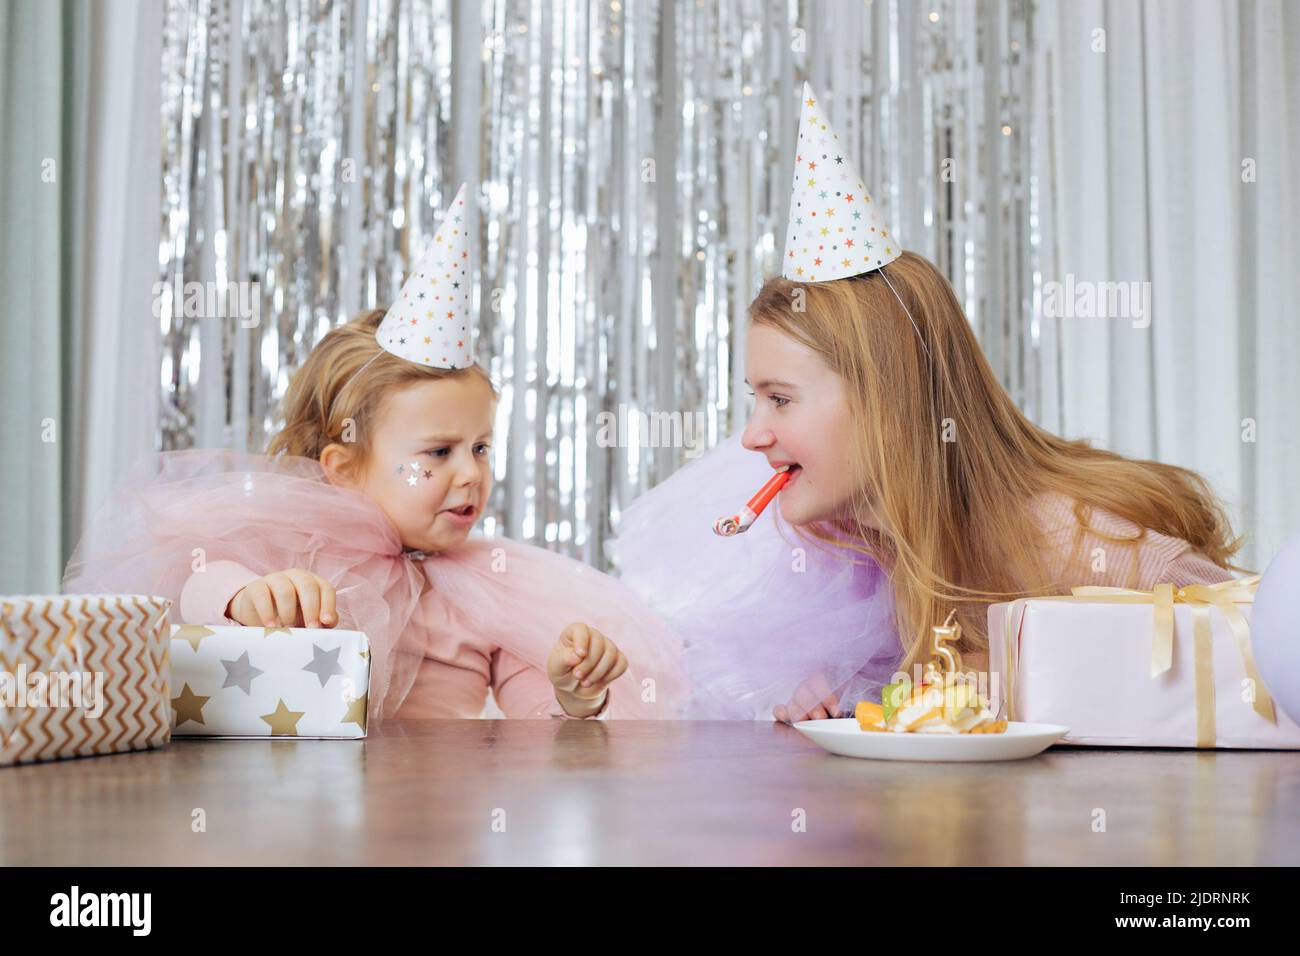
(350, 380)
(917, 328)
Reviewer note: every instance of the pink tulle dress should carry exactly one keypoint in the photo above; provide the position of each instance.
(196, 526)
(766, 618)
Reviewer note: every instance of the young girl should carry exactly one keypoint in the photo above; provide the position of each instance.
(914, 449)
(907, 452)
(363, 521)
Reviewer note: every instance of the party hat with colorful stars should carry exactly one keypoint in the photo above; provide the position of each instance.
(429, 322)
(835, 230)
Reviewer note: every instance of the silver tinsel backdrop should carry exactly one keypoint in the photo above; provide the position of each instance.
(631, 165)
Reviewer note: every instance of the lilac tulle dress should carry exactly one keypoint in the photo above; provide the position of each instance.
(179, 510)
(766, 618)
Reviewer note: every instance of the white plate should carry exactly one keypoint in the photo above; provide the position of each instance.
(844, 736)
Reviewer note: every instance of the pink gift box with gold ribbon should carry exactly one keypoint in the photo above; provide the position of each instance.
(1120, 668)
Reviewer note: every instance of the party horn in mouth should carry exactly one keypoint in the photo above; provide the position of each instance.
(754, 507)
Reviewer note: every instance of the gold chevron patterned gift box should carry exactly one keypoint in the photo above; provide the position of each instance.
(232, 681)
(82, 675)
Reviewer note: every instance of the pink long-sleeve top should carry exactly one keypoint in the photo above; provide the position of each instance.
(1141, 560)
(1077, 555)
(453, 679)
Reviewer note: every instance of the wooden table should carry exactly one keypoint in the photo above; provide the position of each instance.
(585, 792)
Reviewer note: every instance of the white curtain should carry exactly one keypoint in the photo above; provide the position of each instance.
(119, 386)
(1165, 148)
(33, 189)
(80, 88)
(1169, 147)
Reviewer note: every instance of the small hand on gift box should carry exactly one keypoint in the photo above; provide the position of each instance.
(292, 598)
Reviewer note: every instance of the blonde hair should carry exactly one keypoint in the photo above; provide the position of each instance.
(344, 382)
(960, 531)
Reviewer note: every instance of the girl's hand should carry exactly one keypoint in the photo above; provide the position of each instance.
(293, 598)
(813, 700)
(582, 665)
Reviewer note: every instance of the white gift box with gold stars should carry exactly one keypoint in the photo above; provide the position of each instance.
(231, 681)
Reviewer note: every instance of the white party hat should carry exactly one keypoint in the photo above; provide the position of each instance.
(429, 322)
(835, 230)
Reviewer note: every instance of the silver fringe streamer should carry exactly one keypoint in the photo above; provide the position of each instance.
(631, 161)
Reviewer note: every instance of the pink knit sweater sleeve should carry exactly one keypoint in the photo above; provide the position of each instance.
(207, 593)
(522, 690)
(1111, 551)
(461, 665)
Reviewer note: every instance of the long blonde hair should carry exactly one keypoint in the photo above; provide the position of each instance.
(960, 532)
(328, 401)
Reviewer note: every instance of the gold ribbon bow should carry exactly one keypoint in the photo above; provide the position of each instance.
(1225, 596)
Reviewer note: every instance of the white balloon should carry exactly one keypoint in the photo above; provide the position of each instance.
(1275, 631)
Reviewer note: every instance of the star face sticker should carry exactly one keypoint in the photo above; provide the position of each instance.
(416, 473)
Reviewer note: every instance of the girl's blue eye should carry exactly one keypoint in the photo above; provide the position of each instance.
(776, 400)
(480, 449)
